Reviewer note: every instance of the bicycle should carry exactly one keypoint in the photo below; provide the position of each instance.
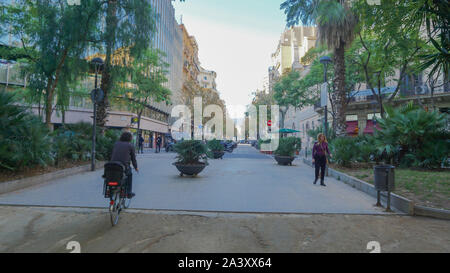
(115, 188)
(118, 201)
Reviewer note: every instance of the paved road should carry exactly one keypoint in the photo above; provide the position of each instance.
(244, 181)
(25, 229)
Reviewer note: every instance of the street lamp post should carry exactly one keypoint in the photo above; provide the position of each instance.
(325, 60)
(96, 96)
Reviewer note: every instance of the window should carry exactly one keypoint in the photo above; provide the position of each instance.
(351, 118)
(370, 116)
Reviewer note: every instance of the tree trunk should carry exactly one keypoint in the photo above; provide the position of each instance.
(341, 94)
(106, 82)
(48, 108)
(50, 91)
(283, 115)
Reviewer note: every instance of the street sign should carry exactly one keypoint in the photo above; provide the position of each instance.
(97, 95)
(324, 94)
(134, 120)
(269, 123)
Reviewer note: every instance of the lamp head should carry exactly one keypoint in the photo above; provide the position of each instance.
(97, 61)
(325, 60)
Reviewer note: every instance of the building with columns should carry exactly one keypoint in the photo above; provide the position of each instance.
(292, 46)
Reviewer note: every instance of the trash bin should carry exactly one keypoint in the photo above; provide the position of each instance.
(384, 178)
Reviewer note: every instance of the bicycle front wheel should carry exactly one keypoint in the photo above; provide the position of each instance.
(114, 208)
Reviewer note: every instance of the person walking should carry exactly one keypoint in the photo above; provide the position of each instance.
(141, 144)
(158, 144)
(320, 152)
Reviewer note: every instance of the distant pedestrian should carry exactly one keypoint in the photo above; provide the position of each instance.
(158, 144)
(320, 152)
(141, 144)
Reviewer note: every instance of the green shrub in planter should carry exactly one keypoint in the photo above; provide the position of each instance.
(287, 146)
(74, 142)
(24, 139)
(70, 145)
(366, 149)
(413, 137)
(105, 144)
(344, 150)
(191, 152)
(215, 145)
(215, 149)
(262, 141)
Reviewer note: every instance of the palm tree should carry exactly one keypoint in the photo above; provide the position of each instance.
(336, 23)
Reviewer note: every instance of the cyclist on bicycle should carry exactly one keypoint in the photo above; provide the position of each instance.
(124, 152)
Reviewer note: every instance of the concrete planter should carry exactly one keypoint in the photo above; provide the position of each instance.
(284, 160)
(190, 169)
(218, 154)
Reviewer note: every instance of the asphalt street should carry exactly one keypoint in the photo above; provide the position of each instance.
(243, 181)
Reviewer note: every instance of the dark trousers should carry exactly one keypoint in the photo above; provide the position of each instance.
(158, 148)
(320, 164)
(129, 180)
(141, 148)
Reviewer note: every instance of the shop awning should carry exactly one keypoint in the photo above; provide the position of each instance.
(370, 127)
(351, 128)
(286, 131)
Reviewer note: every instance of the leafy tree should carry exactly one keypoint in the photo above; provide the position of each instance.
(288, 91)
(129, 29)
(261, 97)
(148, 76)
(53, 37)
(383, 48)
(336, 23)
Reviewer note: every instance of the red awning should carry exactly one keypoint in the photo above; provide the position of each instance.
(370, 128)
(351, 127)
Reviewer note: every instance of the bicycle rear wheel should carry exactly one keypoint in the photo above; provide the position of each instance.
(115, 208)
(126, 203)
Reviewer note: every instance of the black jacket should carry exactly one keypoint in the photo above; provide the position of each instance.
(124, 152)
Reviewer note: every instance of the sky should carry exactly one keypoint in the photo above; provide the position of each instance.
(235, 39)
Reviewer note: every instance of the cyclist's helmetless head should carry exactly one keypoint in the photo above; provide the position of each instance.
(126, 137)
